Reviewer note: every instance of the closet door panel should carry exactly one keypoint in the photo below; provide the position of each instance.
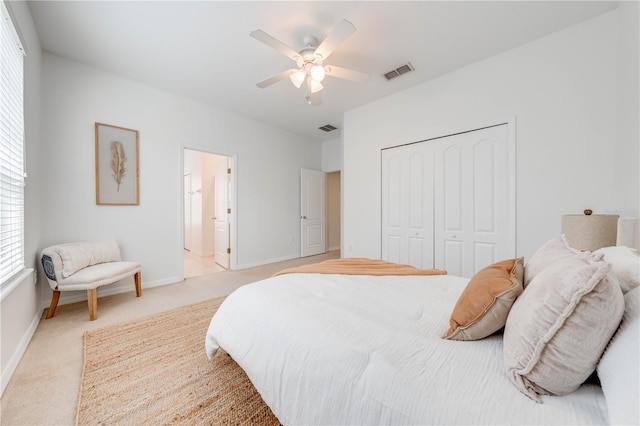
(484, 186)
(453, 257)
(452, 188)
(471, 196)
(393, 244)
(490, 196)
(407, 205)
(451, 197)
(484, 254)
(392, 209)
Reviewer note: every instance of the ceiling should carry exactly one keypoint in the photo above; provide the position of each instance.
(202, 50)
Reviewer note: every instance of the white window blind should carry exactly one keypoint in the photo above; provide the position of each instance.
(12, 150)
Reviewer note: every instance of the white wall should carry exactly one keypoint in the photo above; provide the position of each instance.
(20, 308)
(332, 155)
(269, 161)
(562, 91)
(628, 146)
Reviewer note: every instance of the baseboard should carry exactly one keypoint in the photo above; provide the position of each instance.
(20, 350)
(268, 261)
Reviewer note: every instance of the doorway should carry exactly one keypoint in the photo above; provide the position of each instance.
(333, 211)
(207, 206)
(319, 212)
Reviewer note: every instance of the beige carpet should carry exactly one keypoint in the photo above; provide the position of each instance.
(154, 371)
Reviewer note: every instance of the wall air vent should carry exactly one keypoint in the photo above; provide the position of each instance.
(327, 127)
(399, 71)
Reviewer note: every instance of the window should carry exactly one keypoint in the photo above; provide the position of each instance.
(12, 150)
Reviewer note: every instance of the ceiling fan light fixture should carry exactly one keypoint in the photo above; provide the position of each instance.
(314, 86)
(317, 73)
(310, 61)
(297, 78)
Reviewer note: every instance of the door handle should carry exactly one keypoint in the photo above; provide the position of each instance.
(303, 217)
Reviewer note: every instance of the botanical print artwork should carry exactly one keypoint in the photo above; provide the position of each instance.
(117, 166)
(118, 161)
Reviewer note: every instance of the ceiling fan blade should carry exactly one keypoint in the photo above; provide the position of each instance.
(346, 73)
(339, 34)
(276, 78)
(275, 44)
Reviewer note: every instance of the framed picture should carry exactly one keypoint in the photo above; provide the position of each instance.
(117, 170)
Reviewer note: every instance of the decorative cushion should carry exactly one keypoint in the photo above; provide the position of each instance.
(483, 306)
(618, 369)
(552, 251)
(77, 256)
(625, 264)
(49, 267)
(558, 328)
(74, 258)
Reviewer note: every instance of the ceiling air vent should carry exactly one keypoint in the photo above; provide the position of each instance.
(399, 71)
(327, 127)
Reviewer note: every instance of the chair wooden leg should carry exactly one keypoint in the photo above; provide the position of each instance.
(92, 298)
(55, 297)
(138, 282)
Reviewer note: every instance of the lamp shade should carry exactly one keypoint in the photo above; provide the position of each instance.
(297, 78)
(590, 232)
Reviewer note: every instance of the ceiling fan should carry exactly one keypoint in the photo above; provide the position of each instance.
(310, 61)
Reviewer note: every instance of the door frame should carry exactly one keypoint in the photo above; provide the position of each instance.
(233, 219)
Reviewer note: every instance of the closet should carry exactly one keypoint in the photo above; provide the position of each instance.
(449, 202)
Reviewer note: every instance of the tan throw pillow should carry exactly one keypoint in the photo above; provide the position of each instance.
(483, 306)
(552, 251)
(560, 325)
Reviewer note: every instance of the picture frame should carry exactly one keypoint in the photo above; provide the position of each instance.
(117, 166)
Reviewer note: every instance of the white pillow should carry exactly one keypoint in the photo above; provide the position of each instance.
(560, 325)
(74, 258)
(618, 369)
(77, 256)
(552, 251)
(104, 251)
(625, 263)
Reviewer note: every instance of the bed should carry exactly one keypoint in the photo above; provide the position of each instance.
(327, 348)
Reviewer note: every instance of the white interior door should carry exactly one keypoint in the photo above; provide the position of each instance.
(407, 207)
(187, 211)
(222, 213)
(312, 212)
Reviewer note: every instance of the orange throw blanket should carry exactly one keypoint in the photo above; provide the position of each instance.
(359, 266)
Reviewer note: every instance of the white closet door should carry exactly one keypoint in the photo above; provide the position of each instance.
(407, 207)
(446, 203)
(471, 198)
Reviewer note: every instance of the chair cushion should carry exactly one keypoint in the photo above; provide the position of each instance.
(98, 275)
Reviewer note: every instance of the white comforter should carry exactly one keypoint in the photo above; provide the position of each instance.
(338, 349)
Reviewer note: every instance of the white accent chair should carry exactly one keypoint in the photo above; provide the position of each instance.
(86, 266)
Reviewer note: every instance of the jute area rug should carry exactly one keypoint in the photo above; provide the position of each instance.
(154, 371)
